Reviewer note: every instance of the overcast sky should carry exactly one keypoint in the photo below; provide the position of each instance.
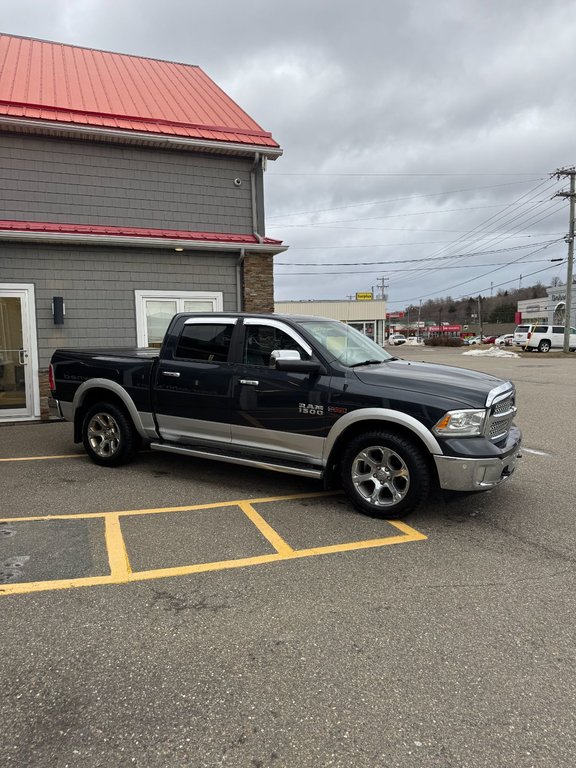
(414, 131)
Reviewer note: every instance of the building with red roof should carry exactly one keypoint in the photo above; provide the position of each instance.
(131, 188)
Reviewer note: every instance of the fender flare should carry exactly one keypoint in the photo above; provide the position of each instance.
(119, 391)
(386, 416)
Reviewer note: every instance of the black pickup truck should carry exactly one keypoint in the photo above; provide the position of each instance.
(304, 395)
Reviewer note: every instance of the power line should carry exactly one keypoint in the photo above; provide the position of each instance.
(378, 270)
(497, 238)
(399, 199)
(413, 261)
(346, 173)
(479, 277)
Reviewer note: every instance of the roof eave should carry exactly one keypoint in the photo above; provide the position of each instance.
(55, 128)
(139, 242)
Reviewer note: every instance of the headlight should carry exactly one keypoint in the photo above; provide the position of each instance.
(461, 423)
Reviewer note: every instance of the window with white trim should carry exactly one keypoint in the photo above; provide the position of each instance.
(155, 309)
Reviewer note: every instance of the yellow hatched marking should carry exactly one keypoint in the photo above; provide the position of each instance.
(117, 554)
(187, 508)
(265, 529)
(121, 572)
(43, 458)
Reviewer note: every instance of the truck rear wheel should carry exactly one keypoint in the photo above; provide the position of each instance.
(108, 435)
(385, 475)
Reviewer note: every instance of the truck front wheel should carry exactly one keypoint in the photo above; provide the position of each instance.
(108, 435)
(384, 475)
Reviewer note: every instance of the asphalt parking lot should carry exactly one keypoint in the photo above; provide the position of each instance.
(178, 612)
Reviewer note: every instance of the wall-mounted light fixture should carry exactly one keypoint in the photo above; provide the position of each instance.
(58, 310)
(178, 250)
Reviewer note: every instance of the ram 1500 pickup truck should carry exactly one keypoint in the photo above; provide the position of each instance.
(304, 395)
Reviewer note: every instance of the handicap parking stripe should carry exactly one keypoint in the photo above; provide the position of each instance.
(121, 571)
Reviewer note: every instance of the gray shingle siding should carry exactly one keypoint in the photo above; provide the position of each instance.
(77, 182)
(98, 287)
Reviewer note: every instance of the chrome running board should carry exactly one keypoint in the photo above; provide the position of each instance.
(230, 458)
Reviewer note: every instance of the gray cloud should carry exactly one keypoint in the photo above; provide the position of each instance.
(418, 89)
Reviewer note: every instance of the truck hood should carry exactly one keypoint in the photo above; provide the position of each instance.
(467, 389)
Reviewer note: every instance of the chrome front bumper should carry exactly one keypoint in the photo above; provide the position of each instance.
(465, 474)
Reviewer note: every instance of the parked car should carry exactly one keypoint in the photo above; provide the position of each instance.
(473, 340)
(305, 395)
(488, 339)
(521, 334)
(397, 338)
(547, 337)
(505, 340)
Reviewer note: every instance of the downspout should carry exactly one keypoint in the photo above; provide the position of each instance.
(239, 281)
(255, 232)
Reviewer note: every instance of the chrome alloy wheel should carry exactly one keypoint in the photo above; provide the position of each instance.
(380, 476)
(104, 435)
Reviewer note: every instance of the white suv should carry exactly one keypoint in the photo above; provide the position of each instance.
(521, 334)
(547, 337)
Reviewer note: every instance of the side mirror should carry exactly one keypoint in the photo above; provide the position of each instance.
(289, 360)
(283, 354)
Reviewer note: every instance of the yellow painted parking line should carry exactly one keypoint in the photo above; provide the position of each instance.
(44, 458)
(117, 554)
(186, 508)
(265, 529)
(121, 572)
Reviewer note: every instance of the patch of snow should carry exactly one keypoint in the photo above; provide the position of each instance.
(492, 352)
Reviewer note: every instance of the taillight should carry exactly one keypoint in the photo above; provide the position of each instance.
(528, 335)
(51, 381)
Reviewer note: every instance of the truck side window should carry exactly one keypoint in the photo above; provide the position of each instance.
(208, 342)
(261, 340)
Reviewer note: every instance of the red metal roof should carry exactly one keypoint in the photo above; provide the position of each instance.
(131, 232)
(60, 83)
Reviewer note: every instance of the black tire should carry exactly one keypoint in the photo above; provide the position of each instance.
(385, 475)
(108, 435)
(544, 346)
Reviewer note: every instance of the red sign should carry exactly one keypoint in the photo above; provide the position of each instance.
(444, 328)
(394, 315)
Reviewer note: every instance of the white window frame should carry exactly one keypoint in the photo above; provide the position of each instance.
(141, 297)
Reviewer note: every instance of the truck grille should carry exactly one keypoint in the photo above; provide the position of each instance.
(501, 417)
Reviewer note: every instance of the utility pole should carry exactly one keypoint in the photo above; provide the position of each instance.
(382, 283)
(480, 317)
(419, 313)
(571, 173)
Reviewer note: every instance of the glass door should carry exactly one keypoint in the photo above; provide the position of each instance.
(17, 383)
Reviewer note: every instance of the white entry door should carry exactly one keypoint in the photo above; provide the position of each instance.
(19, 395)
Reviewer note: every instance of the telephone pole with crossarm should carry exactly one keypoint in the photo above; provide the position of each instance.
(571, 195)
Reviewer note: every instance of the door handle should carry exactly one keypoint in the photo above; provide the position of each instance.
(22, 356)
(174, 374)
(251, 382)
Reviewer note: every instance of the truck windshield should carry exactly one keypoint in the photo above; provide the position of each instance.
(345, 344)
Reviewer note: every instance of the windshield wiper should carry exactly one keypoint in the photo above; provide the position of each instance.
(367, 362)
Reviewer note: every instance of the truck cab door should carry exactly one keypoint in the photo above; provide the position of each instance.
(192, 394)
(278, 412)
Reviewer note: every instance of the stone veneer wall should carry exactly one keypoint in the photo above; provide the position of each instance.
(44, 394)
(258, 283)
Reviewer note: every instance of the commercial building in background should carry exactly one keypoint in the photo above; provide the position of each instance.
(365, 314)
(130, 189)
(534, 310)
(557, 305)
